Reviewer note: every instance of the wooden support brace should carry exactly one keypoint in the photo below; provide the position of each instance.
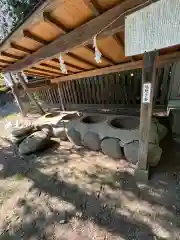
(148, 77)
(24, 85)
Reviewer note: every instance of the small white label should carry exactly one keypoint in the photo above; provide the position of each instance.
(146, 92)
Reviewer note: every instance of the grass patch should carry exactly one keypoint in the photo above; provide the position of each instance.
(19, 177)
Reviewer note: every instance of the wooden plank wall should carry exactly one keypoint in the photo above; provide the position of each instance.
(121, 90)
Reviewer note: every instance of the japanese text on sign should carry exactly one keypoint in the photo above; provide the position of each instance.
(146, 92)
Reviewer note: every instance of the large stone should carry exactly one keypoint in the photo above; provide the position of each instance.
(111, 147)
(92, 141)
(131, 151)
(34, 142)
(74, 136)
(22, 130)
(154, 153)
(60, 132)
(47, 128)
(162, 131)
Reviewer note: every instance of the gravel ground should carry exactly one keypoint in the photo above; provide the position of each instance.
(66, 193)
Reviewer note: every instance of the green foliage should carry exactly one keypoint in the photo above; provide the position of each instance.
(12, 13)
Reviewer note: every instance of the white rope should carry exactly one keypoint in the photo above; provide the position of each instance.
(98, 54)
(62, 65)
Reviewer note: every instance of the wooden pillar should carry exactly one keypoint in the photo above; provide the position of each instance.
(148, 83)
(60, 96)
(15, 92)
(25, 87)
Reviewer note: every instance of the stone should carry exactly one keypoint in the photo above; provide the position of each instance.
(154, 154)
(131, 151)
(22, 130)
(47, 128)
(92, 141)
(60, 132)
(111, 147)
(34, 142)
(74, 136)
(17, 140)
(162, 131)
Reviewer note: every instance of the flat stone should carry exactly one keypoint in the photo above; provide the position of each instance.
(92, 141)
(111, 147)
(74, 136)
(131, 151)
(60, 132)
(22, 130)
(154, 154)
(34, 142)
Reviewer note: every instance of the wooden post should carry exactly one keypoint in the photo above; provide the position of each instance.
(15, 92)
(25, 87)
(148, 83)
(60, 96)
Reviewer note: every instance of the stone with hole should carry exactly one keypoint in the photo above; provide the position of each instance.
(131, 151)
(60, 132)
(34, 142)
(111, 147)
(74, 136)
(22, 130)
(92, 141)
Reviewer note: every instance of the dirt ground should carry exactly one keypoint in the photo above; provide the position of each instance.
(65, 193)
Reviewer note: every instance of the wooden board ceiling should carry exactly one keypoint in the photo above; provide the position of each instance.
(54, 21)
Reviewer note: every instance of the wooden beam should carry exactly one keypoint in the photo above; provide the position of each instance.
(48, 18)
(41, 72)
(11, 55)
(121, 45)
(161, 60)
(27, 34)
(22, 49)
(148, 76)
(6, 62)
(31, 98)
(46, 71)
(33, 17)
(82, 35)
(69, 64)
(102, 71)
(94, 6)
(103, 57)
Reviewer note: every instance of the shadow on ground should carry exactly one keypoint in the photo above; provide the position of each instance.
(117, 206)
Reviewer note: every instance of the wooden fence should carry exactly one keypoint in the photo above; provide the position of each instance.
(117, 90)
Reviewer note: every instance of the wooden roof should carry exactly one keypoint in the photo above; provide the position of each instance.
(68, 26)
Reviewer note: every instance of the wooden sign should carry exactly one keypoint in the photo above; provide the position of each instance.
(153, 27)
(146, 92)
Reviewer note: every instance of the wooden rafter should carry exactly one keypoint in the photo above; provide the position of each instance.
(161, 60)
(94, 6)
(11, 55)
(81, 35)
(37, 39)
(121, 45)
(22, 49)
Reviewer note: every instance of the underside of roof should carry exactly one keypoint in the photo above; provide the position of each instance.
(68, 27)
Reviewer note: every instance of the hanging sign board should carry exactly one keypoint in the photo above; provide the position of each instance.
(146, 92)
(153, 27)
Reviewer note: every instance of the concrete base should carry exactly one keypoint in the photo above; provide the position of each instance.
(141, 176)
